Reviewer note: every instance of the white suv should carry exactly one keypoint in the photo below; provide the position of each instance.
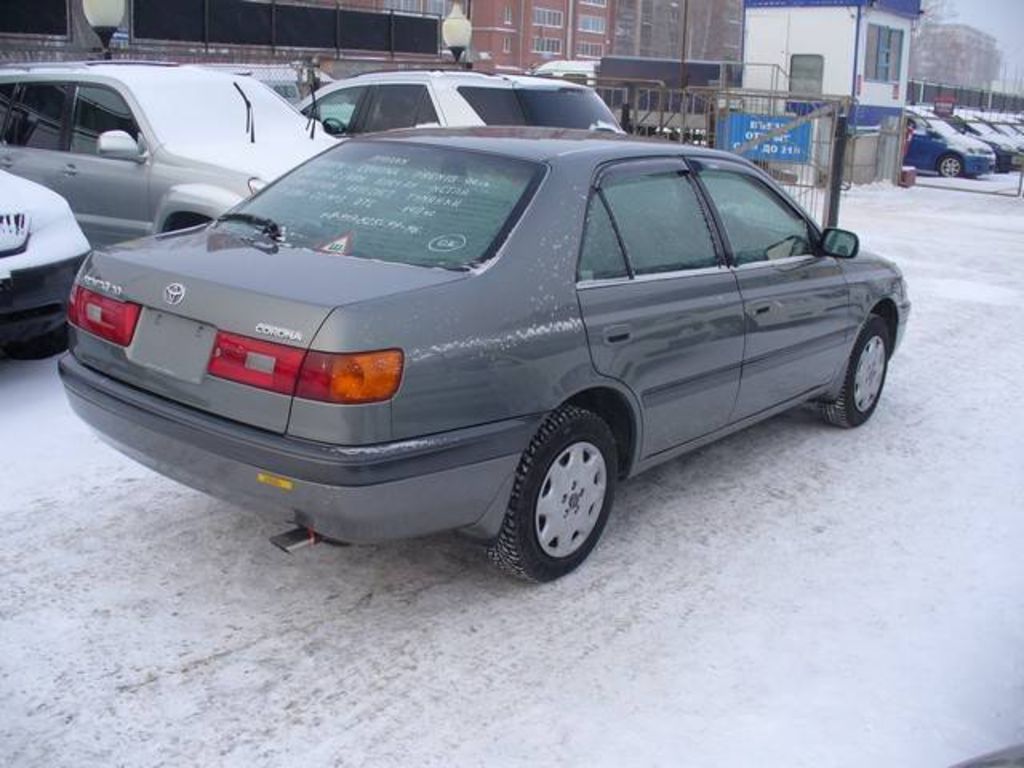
(382, 101)
(137, 148)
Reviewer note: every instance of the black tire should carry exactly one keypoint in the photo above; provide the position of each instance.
(844, 412)
(47, 345)
(517, 550)
(950, 166)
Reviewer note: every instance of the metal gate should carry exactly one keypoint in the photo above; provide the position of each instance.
(799, 141)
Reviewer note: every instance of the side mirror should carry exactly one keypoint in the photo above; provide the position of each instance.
(840, 243)
(334, 127)
(118, 145)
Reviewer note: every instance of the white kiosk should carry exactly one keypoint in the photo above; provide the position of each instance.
(859, 48)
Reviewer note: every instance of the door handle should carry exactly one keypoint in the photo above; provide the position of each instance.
(762, 309)
(70, 170)
(616, 334)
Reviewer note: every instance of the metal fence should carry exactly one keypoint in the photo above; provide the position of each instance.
(797, 140)
(920, 92)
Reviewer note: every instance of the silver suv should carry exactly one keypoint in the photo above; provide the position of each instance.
(143, 148)
(383, 101)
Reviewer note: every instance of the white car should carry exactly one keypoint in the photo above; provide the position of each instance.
(41, 248)
(141, 148)
(382, 101)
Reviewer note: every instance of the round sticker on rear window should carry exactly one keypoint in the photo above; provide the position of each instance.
(447, 243)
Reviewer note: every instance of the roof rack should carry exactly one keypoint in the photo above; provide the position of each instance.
(30, 65)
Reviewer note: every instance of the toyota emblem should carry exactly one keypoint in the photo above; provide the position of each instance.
(174, 294)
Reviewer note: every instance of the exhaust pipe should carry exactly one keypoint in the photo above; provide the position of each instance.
(295, 539)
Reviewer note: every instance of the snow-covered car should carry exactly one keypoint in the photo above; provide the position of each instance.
(383, 101)
(936, 146)
(41, 248)
(138, 148)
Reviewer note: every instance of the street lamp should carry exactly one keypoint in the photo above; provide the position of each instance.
(456, 31)
(104, 16)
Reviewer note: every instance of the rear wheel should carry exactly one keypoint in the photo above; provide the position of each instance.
(864, 379)
(950, 166)
(564, 488)
(39, 347)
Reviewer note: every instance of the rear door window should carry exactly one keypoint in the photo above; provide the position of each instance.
(659, 217)
(495, 106)
(37, 116)
(414, 204)
(399, 106)
(98, 110)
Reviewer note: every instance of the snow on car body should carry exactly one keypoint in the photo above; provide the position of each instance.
(138, 148)
(41, 248)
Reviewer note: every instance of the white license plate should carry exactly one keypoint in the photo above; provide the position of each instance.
(172, 345)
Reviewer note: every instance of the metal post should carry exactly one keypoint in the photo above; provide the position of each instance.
(838, 164)
(684, 44)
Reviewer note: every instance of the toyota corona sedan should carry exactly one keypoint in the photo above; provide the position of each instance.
(481, 330)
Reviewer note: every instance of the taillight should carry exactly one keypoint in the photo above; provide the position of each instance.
(256, 363)
(362, 377)
(102, 316)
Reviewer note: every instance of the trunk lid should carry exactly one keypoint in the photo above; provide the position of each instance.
(192, 285)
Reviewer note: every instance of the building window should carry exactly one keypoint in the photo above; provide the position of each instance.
(806, 74)
(546, 17)
(589, 50)
(885, 54)
(406, 6)
(506, 45)
(508, 15)
(594, 24)
(547, 45)
(598, 3)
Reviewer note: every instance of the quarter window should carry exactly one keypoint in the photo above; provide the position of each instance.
(661, 222)
(601, 257)
(759, 225)
(36, 117)
(98, 110)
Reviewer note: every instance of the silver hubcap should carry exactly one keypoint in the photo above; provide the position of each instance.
(950, 167)
(570, 499)
(870, 371)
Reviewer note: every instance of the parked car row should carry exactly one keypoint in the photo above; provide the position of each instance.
(963, 145)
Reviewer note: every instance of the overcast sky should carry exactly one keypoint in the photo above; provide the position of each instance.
(1005, 20)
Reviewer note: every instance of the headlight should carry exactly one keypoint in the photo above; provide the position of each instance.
(256, 184)
(14, 229)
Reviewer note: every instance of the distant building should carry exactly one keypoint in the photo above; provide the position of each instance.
(517, 35)
(653, 29)
(955, 54)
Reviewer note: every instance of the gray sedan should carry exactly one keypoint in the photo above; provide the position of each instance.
(480, 330)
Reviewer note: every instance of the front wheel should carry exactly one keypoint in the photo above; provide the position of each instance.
(864, 378)
(950, 166)
(564, 488)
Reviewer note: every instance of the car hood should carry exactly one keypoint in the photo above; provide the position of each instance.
(266, 158)
(53, 232)
(43, 206)
(966, 143)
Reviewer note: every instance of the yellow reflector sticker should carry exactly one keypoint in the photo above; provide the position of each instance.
(278, 482)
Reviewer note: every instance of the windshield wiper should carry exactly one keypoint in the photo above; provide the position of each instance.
(314, 113)
(268, 227)
(250, 118)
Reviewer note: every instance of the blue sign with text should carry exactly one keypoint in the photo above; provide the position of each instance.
(792, 146)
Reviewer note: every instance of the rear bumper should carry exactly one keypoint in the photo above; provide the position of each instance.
(34, 301)
(395, 490)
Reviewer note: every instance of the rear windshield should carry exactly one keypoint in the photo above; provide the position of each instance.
(411, 204)
(547, 107)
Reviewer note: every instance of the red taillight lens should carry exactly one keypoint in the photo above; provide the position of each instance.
(256, 363)
(103, 316)
(362, 377)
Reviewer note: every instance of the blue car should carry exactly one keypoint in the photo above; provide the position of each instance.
(938, 147)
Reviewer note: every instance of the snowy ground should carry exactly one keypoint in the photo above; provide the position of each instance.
(1008, 184)
(793, 596)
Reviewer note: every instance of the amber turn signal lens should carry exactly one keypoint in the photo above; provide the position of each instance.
(362, 377)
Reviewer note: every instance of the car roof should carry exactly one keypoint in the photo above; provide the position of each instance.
(131, 73)
(546, 144)
(459, 77)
